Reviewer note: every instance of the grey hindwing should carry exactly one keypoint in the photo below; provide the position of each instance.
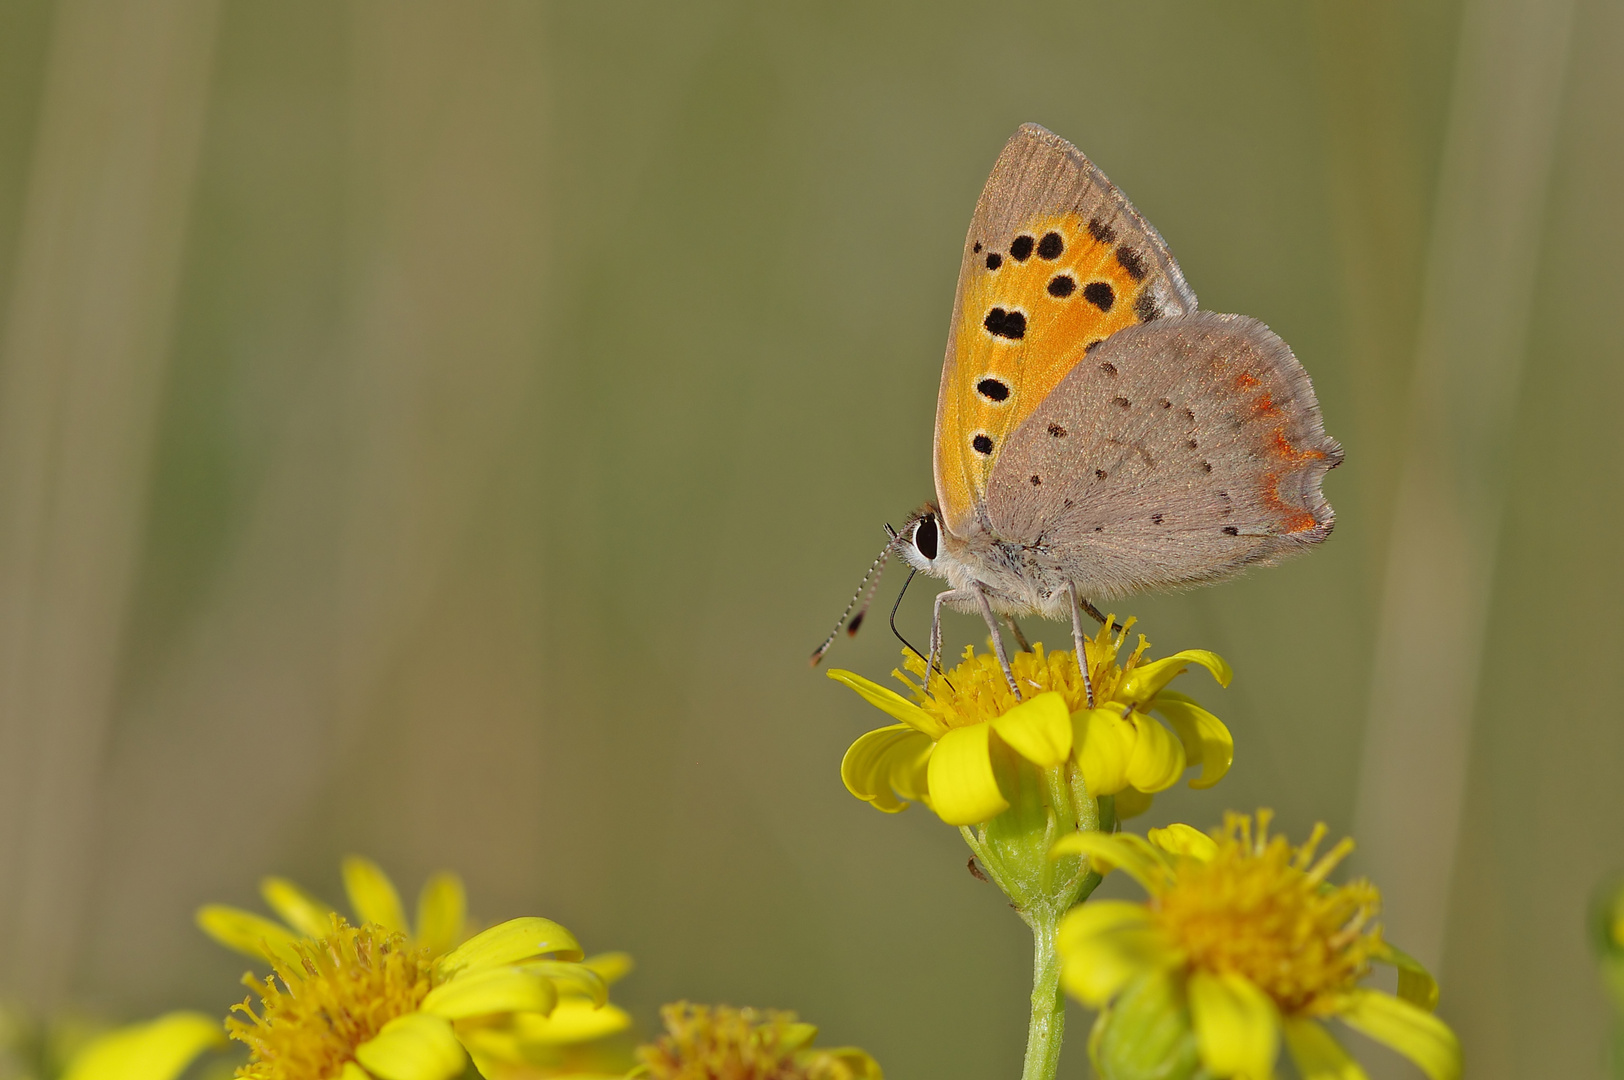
(1176, 452)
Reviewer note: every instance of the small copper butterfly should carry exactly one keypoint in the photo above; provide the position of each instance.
(1096, 433)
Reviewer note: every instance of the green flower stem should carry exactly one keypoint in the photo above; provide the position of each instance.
(1048, 1023)
(1013, 850)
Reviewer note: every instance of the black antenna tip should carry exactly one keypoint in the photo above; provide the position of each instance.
(857, 621)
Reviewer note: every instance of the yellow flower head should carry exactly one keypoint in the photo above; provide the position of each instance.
(1244, 935)
(381, 999)
(704, 1042)
(945, 750)
(158, 1049)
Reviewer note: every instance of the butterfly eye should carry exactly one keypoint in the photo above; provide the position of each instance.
(924, 537)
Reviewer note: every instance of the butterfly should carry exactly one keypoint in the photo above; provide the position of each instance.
(1096, 433)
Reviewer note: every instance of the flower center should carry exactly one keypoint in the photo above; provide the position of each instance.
(346, 987)
(976, 691)
(1258, 908)
(702, 1042)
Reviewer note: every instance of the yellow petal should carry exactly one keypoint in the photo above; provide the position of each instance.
(160, 1049)
(1109, 851)
(963, 790)
(1318, 1055)
(372, 895)
(1207, 742)
(797, 1035)
(1157, 760)
(610, 966)
(485, 991)
(1102, 742)
(1148, 680)
(1105, 944)
(417, 1046)
(1415, 983)
(307, 915)
(250, 934)
(352, 1071)
(869, 763)
(1038, 729)
(1131, 802)
(855, 1063)
(891, 702)
(442, 913)
(1409, 1029)
(573, 1021)
(1236, 1025)
(510, 942)
(575, 979)
(1181, 839)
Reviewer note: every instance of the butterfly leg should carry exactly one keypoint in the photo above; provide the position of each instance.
(1077, 604)
(997, 641)
(933, 657)
(1021, 644)
(1095, 612)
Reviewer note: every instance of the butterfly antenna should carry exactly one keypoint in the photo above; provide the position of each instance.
(859, 601)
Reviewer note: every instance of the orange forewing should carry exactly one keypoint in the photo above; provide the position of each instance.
(1057, 331)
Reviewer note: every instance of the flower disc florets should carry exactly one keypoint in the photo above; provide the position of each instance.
(343, 990)
(704, 1042)
(1261, 909)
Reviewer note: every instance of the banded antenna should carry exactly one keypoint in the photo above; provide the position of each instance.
(861, 599)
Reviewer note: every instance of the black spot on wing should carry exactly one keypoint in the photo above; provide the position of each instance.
(1057, 431)
(1146, 307)
(1132, 262)
(1109, 368)
(1100, 294)
(1100, 231)
(993, 389)
(1062, 286)
(1230, 530)
(982, 444)
(1037, 481)
(1005, 324)
(1051, 246)
(1020, 249)
(994, 260)
(977, 248)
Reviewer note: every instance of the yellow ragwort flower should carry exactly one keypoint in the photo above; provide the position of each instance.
(158, 1049)
(1243, 936)
(704, 1042)
(945, 750)
(387, 1000)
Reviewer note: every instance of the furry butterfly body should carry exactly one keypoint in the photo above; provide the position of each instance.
(1096, 433)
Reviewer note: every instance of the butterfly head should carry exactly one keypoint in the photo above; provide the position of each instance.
(922, 541)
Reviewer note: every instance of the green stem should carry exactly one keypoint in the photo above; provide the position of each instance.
(1048, 1023)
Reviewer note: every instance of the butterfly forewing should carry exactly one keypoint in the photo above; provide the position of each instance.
(1179, 452)
(1056, 261)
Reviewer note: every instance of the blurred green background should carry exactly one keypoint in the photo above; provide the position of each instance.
(441, 431)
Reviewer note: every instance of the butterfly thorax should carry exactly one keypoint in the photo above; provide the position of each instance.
(1018, 578)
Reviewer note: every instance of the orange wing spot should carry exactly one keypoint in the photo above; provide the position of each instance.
(1245, 381)
(1263, 405)
(1282, 448)
(1294, 519)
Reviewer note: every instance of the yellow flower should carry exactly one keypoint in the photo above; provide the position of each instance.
(947, 748)
(158, 1049)
(1242, 942)
(709, 1043)
(396, 1002)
